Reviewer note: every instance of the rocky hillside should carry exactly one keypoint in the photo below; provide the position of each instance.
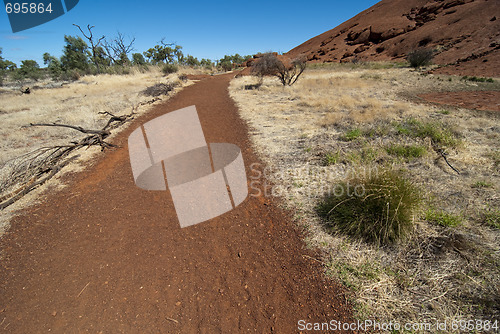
(464, 33)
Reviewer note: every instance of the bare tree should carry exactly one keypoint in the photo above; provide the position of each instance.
(93, 43)
(118, 49)
(269, 64)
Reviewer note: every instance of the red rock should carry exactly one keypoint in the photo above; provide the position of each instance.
(347, 54)
(363, 37)
(391, 33)
(397, 27)
(361, 48)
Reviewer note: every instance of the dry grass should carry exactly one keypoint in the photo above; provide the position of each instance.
(77, 103)
(338, 121)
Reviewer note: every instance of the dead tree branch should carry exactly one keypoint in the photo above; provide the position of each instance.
(35, 168)
(93, 44)
(78, 128)
(118, 49)
(32, 184)
(443, 154)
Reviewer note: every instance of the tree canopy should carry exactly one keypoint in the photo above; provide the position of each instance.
(75, 54)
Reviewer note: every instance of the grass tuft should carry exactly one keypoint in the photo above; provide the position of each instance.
(491, 217)
(406, 151)
(443, 112)
(376, 208)
(482, 184)
(352, 134)
(443, 218)
(439, 133)
(331, 158)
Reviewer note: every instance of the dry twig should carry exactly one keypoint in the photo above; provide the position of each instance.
(83, 289)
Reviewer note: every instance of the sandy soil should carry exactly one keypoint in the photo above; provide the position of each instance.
(479, 100)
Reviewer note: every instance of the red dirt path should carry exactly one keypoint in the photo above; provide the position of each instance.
(104, 256)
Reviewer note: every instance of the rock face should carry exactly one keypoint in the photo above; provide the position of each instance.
(464, 33)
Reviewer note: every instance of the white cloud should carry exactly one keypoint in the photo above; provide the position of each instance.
(16, 37)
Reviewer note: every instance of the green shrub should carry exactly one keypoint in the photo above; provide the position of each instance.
(406, 151)
(443, 218)
(420, 57)
(351, 135)
(377, 208)
(170, 68)
(331, 158)
(478, 79)
(439, 133)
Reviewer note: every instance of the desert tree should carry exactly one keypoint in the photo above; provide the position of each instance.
(2, 67)
(49, 59)
(270, 65)
(179, 55)
(75, 54)
(5, 65)
(138, 59)
(158, 54)
(95, 45)
(231, 61)
(101, 57)
(226, 65)
(119, 48)
(53, 65)
(163, 52)
(207, 63)
(236, 59)
(191, 61)
(30, 69)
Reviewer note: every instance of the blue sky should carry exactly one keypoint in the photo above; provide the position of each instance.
(205, 29)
